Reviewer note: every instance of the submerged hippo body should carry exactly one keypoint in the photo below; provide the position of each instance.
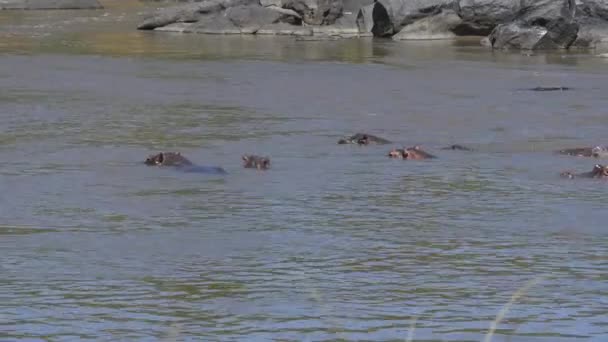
(363, 139)
(252, 161)
(549, 89)
(415, 153)
(599, 171)
(597, 151)
(457, 148)
(176, 160)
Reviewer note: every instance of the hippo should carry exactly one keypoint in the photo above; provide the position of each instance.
(457, 148)
(176, 160)
(410, 153)
(599, 171)
(256, 162)
(597, 151)
(363, 139)
(549, 89)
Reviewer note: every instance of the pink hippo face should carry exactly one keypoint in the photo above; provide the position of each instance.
(599, 171)
(167, 159)
(256, 162)
(415, 153)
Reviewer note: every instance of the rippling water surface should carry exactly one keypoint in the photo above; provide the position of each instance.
(334, 242)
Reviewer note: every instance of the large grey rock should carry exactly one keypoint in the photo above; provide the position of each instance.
(594, 8)
(480, 17)
(439, 26)
(316, 12)
(177, 27)
(365, 20)
(287, 16)
(189, 12)
(539, 25)
(266, 3)
(234, 20)
(345, 27)
(592, 33)
(49, 4)
(285, 29)
(353, 6)
(249, 19)
(405, 12)
(218, 24)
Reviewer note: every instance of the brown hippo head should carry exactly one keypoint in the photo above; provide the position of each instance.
(256, 162)
(577, 151)
(363, 139)
(167, 159)
(410, 153)
(599, 171)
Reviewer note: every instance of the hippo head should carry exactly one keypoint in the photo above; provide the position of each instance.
(599, 171)
(155, 159)
(397, 153)
(256, 162)
(599, 152)
(567, 174)
(364, 140)
(167, 159)
(410, 153)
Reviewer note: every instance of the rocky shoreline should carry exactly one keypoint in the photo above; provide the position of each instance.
(500, 24)
(503, 24)
(49, 4)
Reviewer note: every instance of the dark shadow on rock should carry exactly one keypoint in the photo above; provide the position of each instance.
(382, 21)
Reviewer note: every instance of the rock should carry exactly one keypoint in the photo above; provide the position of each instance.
(287, 15)
(219, 24)
(182, 13)
(238, 20)
(365, 21)
(49, 4)
(438, 26)
(405, 12)
(316, 12)
(383, 23)
(345, 27)
(592, 33)
(539, 25)
(188, 12)
(592, 18)
(177, 27)
(267, 3)
(593, 8)
(249, 19)
(353, 6)
(285, 29)
(480, 17)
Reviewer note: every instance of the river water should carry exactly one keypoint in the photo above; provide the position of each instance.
(334, 242)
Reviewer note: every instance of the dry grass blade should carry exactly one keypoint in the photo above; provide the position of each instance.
(503, 312)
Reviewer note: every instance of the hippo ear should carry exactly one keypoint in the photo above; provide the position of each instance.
(245, 158)
(417, 147)
(160, 159)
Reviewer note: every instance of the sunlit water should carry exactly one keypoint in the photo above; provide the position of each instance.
(334, 242)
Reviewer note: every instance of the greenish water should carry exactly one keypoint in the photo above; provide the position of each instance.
(334, 242)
